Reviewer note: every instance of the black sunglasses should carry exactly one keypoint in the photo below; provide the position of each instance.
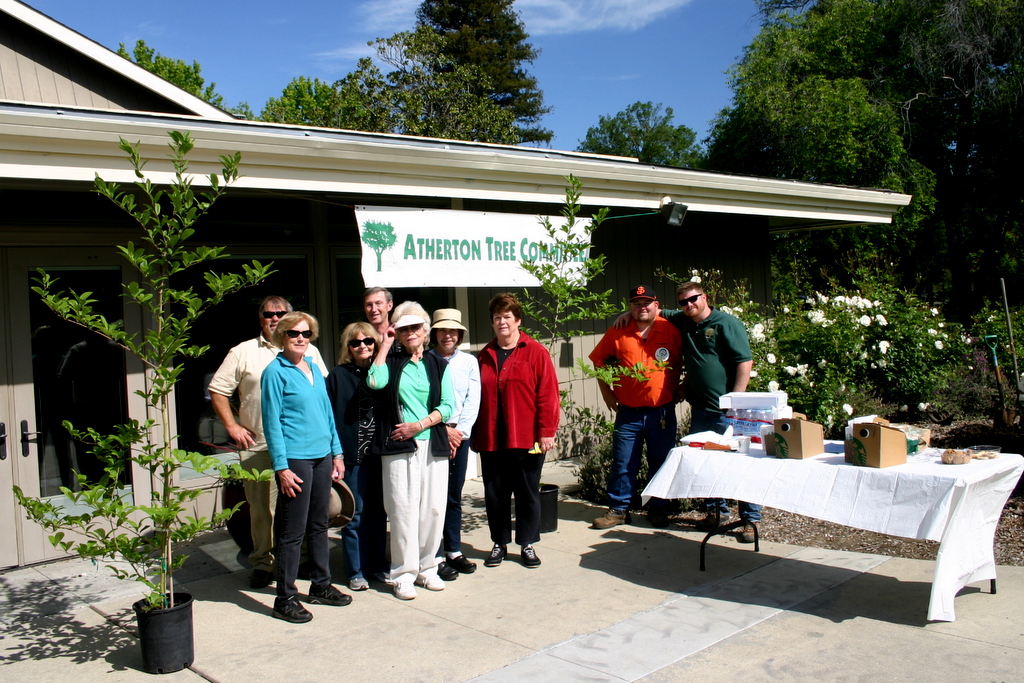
(365, 341)
(274, 314)
(294, 334)
(690, 299)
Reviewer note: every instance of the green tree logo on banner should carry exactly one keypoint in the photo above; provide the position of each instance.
(380, 237)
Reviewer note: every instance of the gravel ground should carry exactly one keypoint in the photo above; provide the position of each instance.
(785, 527)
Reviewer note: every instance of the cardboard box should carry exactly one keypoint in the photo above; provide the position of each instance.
(848, 447)
(877, 445)
(798, 439)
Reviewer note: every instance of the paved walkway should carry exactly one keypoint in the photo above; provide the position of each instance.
(626, 604)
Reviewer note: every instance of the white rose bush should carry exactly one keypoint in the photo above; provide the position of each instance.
(848, 351)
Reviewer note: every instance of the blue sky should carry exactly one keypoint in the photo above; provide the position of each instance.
(597, 56)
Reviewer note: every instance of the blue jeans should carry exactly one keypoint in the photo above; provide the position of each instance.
(705, 421)
(350, 533)
(634, 427)
(452, 538)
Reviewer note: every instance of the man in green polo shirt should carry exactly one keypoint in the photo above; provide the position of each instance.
(718, 360)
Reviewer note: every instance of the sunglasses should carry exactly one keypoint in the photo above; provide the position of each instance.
(690, 299)
(355, 343)
(294, 334)
(274, 314)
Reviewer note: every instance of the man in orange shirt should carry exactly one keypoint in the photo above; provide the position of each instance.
(644, 409)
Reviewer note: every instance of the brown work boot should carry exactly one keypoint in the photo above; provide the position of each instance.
(612, 518)
(746, 533)
(708, 523)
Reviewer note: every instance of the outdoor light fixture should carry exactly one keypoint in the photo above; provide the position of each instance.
(671, 212)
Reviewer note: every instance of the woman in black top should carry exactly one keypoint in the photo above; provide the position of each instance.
(353, 405)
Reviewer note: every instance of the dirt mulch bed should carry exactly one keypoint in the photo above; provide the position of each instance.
(786, 527)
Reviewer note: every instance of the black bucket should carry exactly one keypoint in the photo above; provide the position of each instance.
(548, 508)
(166, 635)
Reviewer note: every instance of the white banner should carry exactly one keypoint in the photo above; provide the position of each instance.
(440, 248)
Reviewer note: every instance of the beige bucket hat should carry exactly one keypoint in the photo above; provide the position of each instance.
(448, 319)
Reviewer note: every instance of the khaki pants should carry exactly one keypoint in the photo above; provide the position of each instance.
(262, 498)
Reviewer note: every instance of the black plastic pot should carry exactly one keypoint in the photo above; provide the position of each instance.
(166, 635)
(548, 508)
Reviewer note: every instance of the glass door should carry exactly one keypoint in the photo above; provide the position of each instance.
(59, 371)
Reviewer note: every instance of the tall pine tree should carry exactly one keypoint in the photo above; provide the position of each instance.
(488, 34)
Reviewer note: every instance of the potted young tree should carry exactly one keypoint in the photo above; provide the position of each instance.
(114, 525)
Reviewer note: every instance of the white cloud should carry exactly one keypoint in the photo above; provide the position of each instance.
(577, 16)
(389, 15)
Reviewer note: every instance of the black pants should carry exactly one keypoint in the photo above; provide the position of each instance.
(304, 516)
(507, 473)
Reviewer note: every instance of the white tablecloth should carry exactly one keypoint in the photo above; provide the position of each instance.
(957, 505)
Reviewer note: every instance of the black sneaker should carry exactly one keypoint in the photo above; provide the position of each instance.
(529, 556)
(291, 610)
(461, 564)
(498, 553)
(328, 595)
(447, 572)
(260, 578)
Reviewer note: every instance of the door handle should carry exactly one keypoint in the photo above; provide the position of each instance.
(25, 438)
(3, 440)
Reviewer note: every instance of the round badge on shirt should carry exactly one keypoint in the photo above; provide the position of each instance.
(661, 354)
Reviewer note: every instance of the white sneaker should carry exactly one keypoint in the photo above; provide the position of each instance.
(431, 583)
(357, 583)
(404, 591)
(384, 578)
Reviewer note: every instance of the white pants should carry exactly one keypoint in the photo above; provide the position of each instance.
(415, 495)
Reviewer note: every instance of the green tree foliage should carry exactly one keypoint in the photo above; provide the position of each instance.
(309, 102)
(645, 131)
(105, 521)
(910, 95)
(488, 35)
(417, 97)
(186, 76)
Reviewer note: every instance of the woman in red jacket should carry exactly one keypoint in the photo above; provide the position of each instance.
(519, 407)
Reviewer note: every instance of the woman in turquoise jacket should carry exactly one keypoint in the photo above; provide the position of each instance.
(306, 454)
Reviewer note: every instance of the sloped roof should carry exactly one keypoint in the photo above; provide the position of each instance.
(105, 66)
(47, 143)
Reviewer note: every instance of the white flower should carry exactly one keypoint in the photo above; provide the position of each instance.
(725, 309)
(790, 370)
(802, 369)
(773, 386)
(770, 358)
(882, 363)
(848, 408)
(938, 344)
(903, 408)
(923, 406)
(864, 320)
(932, 331)
(863, 355)
(880, 319)
(822, 364)
(753, 373)
(883, 346)
(817, 317)
(695, 278)
(935, 312)
(942, 324)
(785, 309)
(873, 366)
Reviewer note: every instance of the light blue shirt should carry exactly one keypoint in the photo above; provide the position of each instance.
(465, 373)
(298, 420)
